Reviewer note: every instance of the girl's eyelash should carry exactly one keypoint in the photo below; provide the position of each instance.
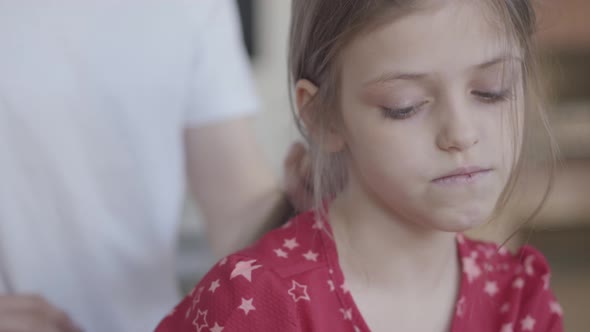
(401, 113)
(485, 96)
(493, 97)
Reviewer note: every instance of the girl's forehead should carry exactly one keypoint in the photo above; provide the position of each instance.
(449, 38)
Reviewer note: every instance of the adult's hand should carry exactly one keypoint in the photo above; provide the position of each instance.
(32, 313)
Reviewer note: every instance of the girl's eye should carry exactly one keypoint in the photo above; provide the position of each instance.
(402, 113)
(493, 97)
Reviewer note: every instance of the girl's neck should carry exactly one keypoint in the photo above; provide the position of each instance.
(379, 248)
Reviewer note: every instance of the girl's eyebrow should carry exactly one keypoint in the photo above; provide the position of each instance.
(497, 60)
(395, 76)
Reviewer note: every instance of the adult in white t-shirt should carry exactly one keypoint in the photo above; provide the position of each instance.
(105, 108)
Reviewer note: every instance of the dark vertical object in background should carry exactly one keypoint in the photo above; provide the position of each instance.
(247, 15)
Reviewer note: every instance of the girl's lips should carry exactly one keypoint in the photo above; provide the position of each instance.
(462, 175)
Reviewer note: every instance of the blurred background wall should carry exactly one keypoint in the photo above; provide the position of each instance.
(561, 230)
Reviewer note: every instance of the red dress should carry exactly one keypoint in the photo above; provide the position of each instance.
(291, 281)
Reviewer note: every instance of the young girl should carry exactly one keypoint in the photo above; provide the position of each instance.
(416, 114)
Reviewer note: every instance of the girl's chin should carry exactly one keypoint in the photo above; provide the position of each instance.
(461, 224)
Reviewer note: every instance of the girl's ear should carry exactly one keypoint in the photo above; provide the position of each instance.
(305, 93)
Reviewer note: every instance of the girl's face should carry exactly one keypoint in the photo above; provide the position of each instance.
(431, 109)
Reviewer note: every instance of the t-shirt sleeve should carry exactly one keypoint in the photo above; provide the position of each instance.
(221, 86)
(238, 294)
(540, 310)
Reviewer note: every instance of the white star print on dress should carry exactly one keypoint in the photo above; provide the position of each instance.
(488, 252)
(518, 283)
(281, 253)
(528, 265)
(194, 291)
(214, 286)
(298, 292)
(331, 284)
(244, 269)
(460, 238)
(507, 328)
(197, 299)
(344, 287)
(311, 256)
(491, 288)
(527, 324)
(188, 313)
(223, 261)
(460, 307)
(200, 321)
(317, 225)
(471, 269)
(216, 328)
(555, 308)
(346, 313)
(291, 243)
(546, 280)
(247, 306)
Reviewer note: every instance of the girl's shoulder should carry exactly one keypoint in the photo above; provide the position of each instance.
(259, 287)
(510, 288)
(295, 248)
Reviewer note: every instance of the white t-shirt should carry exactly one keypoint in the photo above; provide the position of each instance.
(94, 98)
